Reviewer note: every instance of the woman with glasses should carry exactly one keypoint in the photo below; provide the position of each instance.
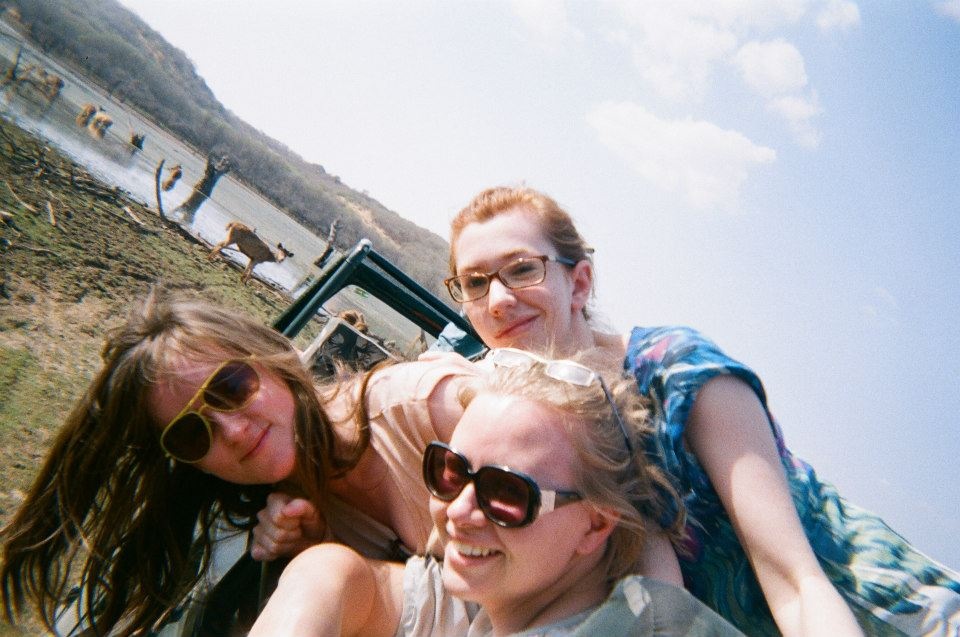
(767, 545)
(542, 507)
(199, 411)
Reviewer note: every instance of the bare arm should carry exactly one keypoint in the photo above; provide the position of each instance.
(659, 560)
(729, 433)
(445, 408)
(331, 591)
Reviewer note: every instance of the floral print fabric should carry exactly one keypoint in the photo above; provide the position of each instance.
(892, 588)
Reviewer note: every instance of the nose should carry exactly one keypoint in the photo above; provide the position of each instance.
(464, 509)
(499, 297)
(230, 427)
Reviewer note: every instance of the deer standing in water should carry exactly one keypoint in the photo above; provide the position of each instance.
(173, 175)
(247, 242)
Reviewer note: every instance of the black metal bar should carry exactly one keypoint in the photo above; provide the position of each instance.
(409, 305)
(304, 308)
(424, 294)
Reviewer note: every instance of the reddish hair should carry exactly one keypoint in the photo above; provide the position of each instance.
(555, 222)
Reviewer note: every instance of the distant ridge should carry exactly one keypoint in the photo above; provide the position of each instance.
(131, 61)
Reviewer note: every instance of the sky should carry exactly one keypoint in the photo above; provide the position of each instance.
(783, 175)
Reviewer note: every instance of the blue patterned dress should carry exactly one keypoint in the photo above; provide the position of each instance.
(891, 587)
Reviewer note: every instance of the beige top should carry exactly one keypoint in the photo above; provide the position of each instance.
(400, 428)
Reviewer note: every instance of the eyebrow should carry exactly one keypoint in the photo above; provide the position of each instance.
(512, 255)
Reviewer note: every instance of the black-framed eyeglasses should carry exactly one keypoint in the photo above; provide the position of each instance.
(507, 498)
(519, 273)
(230, 387)
(563, 370)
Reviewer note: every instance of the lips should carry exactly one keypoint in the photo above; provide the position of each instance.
(515, 326)
(256, 444)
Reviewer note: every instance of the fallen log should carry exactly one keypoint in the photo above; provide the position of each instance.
(19, 200)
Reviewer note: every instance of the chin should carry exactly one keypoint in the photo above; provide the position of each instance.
(456, 586)
(276, 468)
(529, 343)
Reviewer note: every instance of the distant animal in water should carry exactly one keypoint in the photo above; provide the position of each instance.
(54, 86)
(136, 140)
(99, 124)
(255, 249)
(46, 83)
(174, 174)
(94, 119)
(86, 114)
(50, 84)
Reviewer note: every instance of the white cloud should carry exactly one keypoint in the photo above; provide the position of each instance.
(771, 68)
(548, 20)
(949, 8)
(673, 46)
(839, 14)
(683, 50)
(677, 57)
(799, 112)
(776, 71)
(677, 45)
(706, 164)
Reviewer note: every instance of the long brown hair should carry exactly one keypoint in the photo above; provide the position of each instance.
(110, 509)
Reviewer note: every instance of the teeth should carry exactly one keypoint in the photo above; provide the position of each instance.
(472, 551)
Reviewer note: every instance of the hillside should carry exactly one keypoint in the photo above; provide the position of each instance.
(112, 46)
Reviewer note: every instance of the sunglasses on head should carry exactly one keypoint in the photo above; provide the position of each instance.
(231, 387)
(563, 370)
(507, 498)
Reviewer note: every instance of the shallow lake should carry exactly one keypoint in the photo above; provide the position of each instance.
(113, 160)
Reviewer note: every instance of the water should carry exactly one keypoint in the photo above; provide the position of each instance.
(110, 159)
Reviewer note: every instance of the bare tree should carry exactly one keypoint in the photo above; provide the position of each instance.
(331, 236)
(214, 170)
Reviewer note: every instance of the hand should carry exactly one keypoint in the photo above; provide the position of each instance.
(286, 526)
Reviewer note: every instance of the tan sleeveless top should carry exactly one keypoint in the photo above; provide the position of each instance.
(400, 428)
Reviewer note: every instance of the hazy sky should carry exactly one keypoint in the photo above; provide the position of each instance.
(782, 174)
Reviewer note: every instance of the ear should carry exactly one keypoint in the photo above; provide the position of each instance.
(602, 523)
(582, 277)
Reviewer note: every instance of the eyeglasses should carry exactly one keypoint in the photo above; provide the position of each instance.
(507, 498)
(563, 370)
(231, 387)
(521, 273)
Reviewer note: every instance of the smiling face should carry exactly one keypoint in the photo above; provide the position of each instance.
(538, 317)
(253, 445)
(516, 571)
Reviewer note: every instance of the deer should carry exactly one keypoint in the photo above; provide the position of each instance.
(86, 114)
(248, 243)
(94, 119)
(44, 82)
(99, 124)
(136, 141)
(173, 175)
